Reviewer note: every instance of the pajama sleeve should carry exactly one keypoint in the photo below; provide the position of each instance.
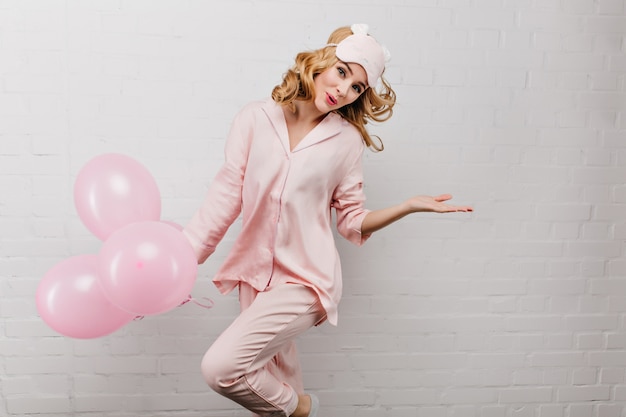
(348, 201)
(222, 204)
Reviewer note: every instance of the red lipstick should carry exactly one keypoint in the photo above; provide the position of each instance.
(331, 100)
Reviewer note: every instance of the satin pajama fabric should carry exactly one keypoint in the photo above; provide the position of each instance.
(254, 362)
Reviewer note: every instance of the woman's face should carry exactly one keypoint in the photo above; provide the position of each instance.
(339, 86)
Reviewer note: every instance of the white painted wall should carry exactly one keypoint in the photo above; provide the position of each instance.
(515, 107)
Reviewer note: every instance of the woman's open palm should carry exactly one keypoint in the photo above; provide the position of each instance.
(436, 204)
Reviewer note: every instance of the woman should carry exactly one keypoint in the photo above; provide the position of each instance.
(289, 161)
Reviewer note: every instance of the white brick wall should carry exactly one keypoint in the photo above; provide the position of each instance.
(516, 107)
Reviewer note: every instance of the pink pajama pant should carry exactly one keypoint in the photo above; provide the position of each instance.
(254, 361)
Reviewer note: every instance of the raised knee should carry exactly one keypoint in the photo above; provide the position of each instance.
(217, 371)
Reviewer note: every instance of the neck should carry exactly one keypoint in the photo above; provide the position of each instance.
(306, 112)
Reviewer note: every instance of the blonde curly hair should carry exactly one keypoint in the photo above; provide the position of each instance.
(298, 84)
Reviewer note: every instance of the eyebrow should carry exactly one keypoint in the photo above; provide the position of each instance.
(351, 73)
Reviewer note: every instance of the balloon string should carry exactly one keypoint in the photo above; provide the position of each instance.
(209, 304)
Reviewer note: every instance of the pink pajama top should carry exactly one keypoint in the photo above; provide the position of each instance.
(285, 198)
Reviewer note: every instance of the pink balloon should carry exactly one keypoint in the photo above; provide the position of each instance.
(147, 267)
(70, 300)
(174, 225)
(114, 190)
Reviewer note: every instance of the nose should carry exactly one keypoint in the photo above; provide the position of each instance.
(342, 89)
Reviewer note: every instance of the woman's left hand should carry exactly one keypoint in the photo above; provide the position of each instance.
(377, 219)
(436, 204)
